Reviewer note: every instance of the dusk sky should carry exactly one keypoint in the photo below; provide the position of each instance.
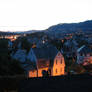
(24, 15)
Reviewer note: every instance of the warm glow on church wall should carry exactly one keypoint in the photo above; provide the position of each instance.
(59, 65)
(57, 69)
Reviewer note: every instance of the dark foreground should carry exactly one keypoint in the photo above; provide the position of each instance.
(70, 83)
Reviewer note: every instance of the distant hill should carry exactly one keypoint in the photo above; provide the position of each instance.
(19, 32)
(71, 27)
(27, 32)
(8, 33)
(60, 28)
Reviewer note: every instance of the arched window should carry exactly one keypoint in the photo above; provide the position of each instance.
(56, 70)
(56, 62)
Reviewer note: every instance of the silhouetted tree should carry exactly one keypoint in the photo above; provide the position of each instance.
(45, 73)
(8, 66)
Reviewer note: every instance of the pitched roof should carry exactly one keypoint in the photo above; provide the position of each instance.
(28, 66)
(45, 52)
(45, 56)
(19, 55)
(71, 43)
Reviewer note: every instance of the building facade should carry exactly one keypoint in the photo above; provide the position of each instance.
(84, 55)
(47, 60)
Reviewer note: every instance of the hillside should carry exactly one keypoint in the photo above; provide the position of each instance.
(86, 25)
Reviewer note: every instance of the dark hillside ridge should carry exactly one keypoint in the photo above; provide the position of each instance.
(64, 27)
(87, 25)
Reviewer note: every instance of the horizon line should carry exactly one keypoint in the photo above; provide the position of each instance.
(39, 29)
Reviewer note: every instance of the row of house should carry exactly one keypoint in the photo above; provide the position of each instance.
(48, 60)
(41, 60)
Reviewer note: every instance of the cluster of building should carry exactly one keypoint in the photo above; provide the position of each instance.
(41, 61)
(10, 37)
(48, 61)
(84, 55)
(45, 59)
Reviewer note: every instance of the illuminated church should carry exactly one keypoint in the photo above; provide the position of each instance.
(47, 59)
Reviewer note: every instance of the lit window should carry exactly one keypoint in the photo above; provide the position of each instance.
(56, 61)
(56, 70)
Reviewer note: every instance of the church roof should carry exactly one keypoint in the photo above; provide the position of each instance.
(45, 52)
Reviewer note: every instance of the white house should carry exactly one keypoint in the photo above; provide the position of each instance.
(84, 55)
